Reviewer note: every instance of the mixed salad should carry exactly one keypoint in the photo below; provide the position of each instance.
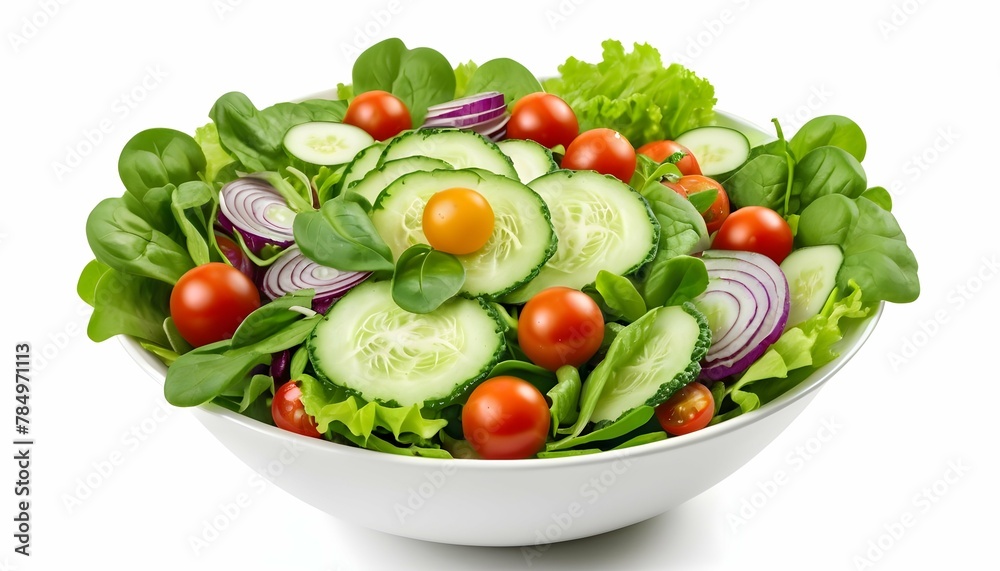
(471, 262)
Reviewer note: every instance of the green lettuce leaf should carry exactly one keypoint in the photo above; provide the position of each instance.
(634, 93)
(207, 137)
(463, 73)
(328, 405)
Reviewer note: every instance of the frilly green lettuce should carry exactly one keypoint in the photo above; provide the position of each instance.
(328, 405)
(634, 94)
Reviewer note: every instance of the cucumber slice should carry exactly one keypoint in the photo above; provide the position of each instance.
(718, 150)
(601, 224)
(812, 274)
(522, 241)
(369, 346)
(531, 160)
(461, 149)
(650, 360)
(325, 143)
(364, 162)
(375, 181)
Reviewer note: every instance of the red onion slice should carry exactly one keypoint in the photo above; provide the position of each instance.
(747, 303)
(293, 271)
(467, 105)
(466, 120)
(494, 129)
(254, 207)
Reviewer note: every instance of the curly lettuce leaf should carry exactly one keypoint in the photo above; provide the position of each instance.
(634, 93)
(329, 405)
(463, 73)
(207, 137)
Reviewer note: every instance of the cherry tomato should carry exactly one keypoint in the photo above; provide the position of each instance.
(756, 229)
(458, 221)
(602, 150)
(660, 150)
(718, 211)
(210, 301)
(506, 418)
(235, 255)
(560, 326)
(382, 115)
(289, 413)
(543, 118)
(687, 410)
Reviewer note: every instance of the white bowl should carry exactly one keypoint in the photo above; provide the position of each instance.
(510, 502)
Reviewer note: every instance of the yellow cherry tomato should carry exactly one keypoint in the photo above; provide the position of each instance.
(458, 221)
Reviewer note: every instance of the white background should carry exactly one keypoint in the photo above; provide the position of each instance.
(920, 78)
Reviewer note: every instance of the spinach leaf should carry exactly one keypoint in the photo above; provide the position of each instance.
(647, 438)
(830, 130)
(628, 422)
(271, 318)
(177, 342)
(565, 397)
(158, 157)
(420, 77)
(627, 344)
(620, 295)
(258, 385)
(254, 136)
(879, 196)
(300, 359)
(543, 379)
(675, 281)
(506, 76)
(425, 278)
(127, 304)
(168, 356)
(342, 236)
(188, 204)
(206, 372)
(703, 199)
(86, 286)
(126, 242)
(425, 78)
(378, 66)
(682, 229)
(876, 255)
(761, 181)
(826, 170)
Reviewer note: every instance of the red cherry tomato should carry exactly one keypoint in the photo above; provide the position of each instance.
(560, 326)
(687, 410)
(506, 418)
(210, 301)
(289, 413)
(602, 150)
(718, 211)
(660, 150)
(756, 229)
(382, 115)
(543, 118)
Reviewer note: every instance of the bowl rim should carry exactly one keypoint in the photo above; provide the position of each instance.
(157, 370)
